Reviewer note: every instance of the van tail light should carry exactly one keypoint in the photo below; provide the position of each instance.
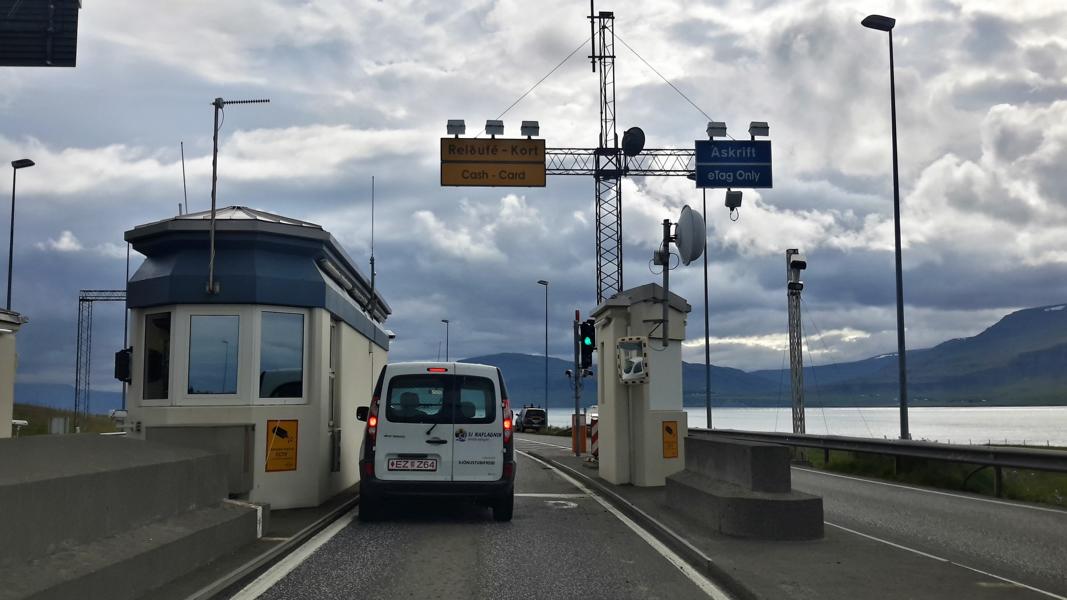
(368, 468)
(509, 470)
(372, 420)
(508, 424)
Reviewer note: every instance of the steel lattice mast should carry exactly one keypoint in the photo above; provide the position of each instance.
(796, 341)
(608, 168)
(83, 352)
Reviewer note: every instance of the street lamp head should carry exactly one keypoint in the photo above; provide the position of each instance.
(542, 282)
(879, 22)
(22, 163)
(444, 321)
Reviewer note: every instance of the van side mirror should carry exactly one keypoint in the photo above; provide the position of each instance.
(361, 413)
(122, 364)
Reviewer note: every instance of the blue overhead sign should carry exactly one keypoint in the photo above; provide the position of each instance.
(730, 163)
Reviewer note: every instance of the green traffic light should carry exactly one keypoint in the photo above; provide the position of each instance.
(588, 341)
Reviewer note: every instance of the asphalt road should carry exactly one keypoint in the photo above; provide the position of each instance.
(562, 543)
(1019, 541)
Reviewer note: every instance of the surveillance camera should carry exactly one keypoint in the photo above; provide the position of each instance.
(568, 372)
(798, 262)
(390, 333)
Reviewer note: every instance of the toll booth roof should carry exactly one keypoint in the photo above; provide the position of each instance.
(260, 258)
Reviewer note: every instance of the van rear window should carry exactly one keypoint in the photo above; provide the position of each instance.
(440, 399)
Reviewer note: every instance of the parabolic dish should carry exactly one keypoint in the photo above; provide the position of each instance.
(689, 235)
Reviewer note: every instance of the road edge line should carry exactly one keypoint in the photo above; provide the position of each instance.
(686, 550)
(256, 566)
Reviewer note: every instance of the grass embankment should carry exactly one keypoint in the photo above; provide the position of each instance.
(1018, 484)
(40, 416)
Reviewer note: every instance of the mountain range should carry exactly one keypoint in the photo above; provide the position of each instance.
(1020, 360)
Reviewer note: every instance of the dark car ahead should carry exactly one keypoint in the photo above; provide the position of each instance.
(531, 418)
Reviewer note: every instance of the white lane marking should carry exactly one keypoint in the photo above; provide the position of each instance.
(543, 443)
(274, 574)
(534, 495)
(939, 493)
(945, 560)
(705, 585)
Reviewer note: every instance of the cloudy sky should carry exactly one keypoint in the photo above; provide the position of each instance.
(362, 88)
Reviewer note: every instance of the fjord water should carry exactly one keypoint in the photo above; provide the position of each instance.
(1032, 425)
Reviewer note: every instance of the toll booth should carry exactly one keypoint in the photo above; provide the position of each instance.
(269, 368)
(642, 425)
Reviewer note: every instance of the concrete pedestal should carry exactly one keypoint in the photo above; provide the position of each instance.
(634, 444)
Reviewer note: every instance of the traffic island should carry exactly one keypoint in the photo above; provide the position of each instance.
(743, 489)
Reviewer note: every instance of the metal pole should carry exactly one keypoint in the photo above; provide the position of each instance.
(546, 353)
(11, 237)
(666, 275)
(214, 180)
(796, 343)
(577, 389)
(185, 190)
(901, 353)
(446, 341)
(707, 327)
(126, 317)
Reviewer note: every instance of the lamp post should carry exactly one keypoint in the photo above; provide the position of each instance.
(545, 283)
(21, 163)
(886, 24)
(445, 321)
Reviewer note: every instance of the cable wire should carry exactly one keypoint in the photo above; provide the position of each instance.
(827, 350)
(665, 80)
(539, 82)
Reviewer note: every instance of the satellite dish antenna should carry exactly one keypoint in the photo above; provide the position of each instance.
(689, 235)
(633, 141)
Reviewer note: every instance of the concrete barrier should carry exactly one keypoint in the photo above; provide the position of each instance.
(112, 516)
(743, 489)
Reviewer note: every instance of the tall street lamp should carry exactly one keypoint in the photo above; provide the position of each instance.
(21, 163)
(881, 23)
(545, 283)
(445, 321)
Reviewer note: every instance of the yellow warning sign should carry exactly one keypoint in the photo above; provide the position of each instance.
(281, 445)
(670, 439)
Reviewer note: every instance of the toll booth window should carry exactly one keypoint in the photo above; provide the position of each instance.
(281, 355)
(477, 401)
(156, 356)
(418, 399)
(213, 352)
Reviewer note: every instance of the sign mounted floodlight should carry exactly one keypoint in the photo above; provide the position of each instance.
(456, 127)
(689, 235)
(633, 141)
(494, 127)
(716, 129)
(530, 128)
(759, 129)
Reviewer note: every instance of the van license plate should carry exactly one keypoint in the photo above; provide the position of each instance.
(412, 464)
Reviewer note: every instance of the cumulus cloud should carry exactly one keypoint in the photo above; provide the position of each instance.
(362, 88)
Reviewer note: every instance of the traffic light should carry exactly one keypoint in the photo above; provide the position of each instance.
(586, 342)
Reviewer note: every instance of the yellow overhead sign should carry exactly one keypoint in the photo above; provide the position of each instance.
(493, 162)
(281, 445)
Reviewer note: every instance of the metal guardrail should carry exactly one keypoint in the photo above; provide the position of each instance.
(994, 456)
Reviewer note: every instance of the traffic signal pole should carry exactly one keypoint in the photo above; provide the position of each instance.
(575, 430)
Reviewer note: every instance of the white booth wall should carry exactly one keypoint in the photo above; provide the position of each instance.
(357, 363)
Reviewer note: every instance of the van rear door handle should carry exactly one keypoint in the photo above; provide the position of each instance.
(436, 441)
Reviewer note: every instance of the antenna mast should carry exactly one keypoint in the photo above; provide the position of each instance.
(185, 190)
(219, 104)
(609, 168)
(372, 296)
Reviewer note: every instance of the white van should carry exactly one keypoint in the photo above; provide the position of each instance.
(438, 429)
